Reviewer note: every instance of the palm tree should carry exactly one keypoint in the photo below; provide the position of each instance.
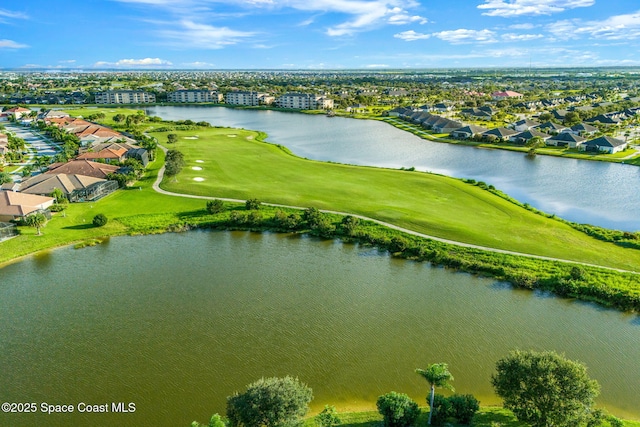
(36, 220)
(437, 375)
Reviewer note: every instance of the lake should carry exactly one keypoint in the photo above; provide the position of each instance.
(177, 322)
(599, 193)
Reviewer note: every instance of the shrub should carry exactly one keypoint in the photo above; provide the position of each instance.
(328, 417)
(100, 220)
(215, 206)
(464, 407)
(252, 204)
(442, 410)
(397, 409)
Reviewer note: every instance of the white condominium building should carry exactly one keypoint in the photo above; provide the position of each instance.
(124, 97)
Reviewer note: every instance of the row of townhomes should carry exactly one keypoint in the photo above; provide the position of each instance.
(580, 136)
(87, 177)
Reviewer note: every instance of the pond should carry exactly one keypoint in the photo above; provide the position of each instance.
(177, 322)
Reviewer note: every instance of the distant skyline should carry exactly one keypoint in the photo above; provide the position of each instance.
(317, 34)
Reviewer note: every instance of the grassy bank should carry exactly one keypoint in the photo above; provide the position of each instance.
(488, 416)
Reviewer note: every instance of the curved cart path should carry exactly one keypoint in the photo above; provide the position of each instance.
(156, 187)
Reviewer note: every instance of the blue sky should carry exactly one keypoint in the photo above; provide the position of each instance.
(317, 34)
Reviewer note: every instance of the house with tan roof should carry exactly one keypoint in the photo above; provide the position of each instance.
(15, 205)
(76, 188)
(109, 155)
(83, 167)
(17, 112)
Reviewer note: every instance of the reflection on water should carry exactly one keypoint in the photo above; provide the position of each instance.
(177, 322)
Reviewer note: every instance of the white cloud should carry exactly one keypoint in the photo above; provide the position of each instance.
(526, 26)
(411, 36)
(204, 36)
(511, 37)
(134, 63)
(509, 8)
(376, 66)
(10, 44)
(4, 13)
(362, 15)
(466, 36)
(618, 27)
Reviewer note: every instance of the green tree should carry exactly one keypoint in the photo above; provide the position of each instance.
(172, 138)
(270, 402)
(100, 220)
(5, 178)
(215, 206)
(37, 221)
(397, 409)
(174, 162)
(328, 417)
(59, 196)
(119, 118)
(215, 421)
(437, 375)
(544, 388)
(571, 118)
(252, 204)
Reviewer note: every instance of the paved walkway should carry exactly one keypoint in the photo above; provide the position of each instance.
(156, 187)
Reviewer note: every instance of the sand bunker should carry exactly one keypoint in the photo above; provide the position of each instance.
(199, 161)
(196, 168)
(197, 178)
(232, 136)
(190, 137)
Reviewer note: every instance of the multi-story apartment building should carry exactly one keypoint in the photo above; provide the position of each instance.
(247, 98)
(304, 101)
(194, 96)
(124, 97)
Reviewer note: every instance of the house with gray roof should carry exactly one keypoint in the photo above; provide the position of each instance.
(552, 128)
(566, 139)
(501, 134)
(527, 135)
(603, 144)
(467, 132)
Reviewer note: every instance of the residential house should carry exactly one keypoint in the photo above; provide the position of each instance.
(584, 129)
(507, 94)
(603, 144)
(399, 111)
(500, 134)
(14, 205)
(467, 132)
(17, 112)
(524, 125)
(527, 135)
(552, 128)
(476, 113)
(446, 126)
(76, 188)
(109, 153)
(566, 139)
(83, 167)
(605, 119)
(559, 114)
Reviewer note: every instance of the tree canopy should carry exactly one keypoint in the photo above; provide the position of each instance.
(270, 402)
(545, 389)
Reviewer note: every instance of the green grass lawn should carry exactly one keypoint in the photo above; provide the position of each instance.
(488, 416)
(232, 163)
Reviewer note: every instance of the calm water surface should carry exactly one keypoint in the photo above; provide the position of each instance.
(177, 322)
(604, 194)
